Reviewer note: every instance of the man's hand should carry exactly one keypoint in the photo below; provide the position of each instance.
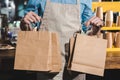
(95, 21)
(96, 25)
(29, 18)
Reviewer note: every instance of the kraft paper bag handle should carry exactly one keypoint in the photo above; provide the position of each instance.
(98, 31)
(41, 29)
(95, 32)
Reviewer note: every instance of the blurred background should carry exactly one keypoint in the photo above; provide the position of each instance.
(11, 12)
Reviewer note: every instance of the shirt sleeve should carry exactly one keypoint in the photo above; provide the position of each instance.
(33, 5)
(87, 13)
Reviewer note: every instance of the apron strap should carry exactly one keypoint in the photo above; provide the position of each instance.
(78, 2)
(48, 0)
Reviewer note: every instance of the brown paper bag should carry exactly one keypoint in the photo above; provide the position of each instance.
(89, 55)
(56, 57)
(34, 51)
(72, 45)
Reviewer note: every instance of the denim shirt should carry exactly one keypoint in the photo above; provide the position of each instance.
(38, 6)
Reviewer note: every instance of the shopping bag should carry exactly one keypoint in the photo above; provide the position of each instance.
(56, 57)
(88, 55)
(71, 48)
(34, 51)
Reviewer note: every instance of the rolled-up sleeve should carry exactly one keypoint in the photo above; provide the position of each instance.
(36, 6)
(86, 12)
(32, 5)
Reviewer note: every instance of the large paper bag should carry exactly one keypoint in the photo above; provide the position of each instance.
(33, 51)
(56, 57)
(88, 55)
(38, 51)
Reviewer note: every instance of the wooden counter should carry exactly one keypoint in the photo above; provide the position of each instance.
(113, 58)
(7, 60)
(112, 62)
(4, 54)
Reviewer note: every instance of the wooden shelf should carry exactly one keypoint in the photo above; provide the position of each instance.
(111, 28)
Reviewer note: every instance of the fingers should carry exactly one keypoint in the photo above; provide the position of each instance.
(89, 21)
(38, 18)
(94, 21)
(97, 22)
(29, 18)
(100, 23)
(25, 27)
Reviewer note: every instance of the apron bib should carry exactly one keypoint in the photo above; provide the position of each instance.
(63, 19)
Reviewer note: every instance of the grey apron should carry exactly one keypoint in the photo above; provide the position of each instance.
(65, 20)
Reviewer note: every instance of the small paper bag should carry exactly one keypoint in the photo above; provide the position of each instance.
(89, 55)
